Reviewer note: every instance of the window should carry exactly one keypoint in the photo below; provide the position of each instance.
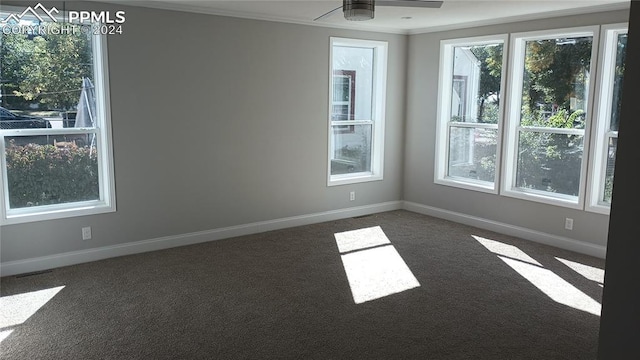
(469, 112)
(614, 41)
(357, 102)
(55, 144)
(548, 115)
(555, 122)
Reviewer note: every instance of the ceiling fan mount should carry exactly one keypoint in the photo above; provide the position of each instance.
(358, 10)
(362, 10)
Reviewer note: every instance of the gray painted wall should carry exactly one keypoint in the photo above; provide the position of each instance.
(422, 88)
(218, 122)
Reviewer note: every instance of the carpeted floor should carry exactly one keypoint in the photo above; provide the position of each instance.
(285, 295)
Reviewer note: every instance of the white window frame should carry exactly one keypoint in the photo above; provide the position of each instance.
(602, 118)
(444, 124)
(512, 117)
(377, 120)
(107, 201)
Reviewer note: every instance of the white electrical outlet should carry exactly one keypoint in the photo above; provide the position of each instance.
(568, 223)
(86, 233)
(352, 195)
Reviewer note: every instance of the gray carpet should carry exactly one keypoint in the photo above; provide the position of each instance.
(285, 295)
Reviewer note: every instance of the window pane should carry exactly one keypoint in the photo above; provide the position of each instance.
(355, 64)
(556, 82)
(472, 153)
(475, 92)
(549, 162)
(56, 173)
(341, 88)
(13, 120)
(44, 74)
(608, 177)
(617, 81)
(351, 151)
(340, 112)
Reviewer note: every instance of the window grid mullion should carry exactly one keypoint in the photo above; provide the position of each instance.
(472, 125)
(550, 130)
(41, 132)
(351, 122)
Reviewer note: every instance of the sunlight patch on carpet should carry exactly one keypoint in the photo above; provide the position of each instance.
(555, 287)
(558, 289)
(506, 250)
(16, 309)
(4, 334)
(361, 239)
(373, 266)
(589, 272)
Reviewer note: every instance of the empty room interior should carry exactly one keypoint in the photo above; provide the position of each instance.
(317, 180)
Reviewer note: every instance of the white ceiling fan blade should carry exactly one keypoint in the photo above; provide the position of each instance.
(410, 3)
(327, 14)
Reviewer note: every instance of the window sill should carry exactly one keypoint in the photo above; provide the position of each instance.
(567, 201)
(346, 179)
(468, 184)
(599, 209)
(57, 212)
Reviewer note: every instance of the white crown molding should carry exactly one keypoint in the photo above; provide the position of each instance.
(172, 6)
(520, 18)
(160, 5)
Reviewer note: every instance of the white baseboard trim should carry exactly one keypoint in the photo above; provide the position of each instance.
(511, 230)
(83, 256)
(77, 257)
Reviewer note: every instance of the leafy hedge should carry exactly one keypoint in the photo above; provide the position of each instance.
(551, 162)
(46, 174)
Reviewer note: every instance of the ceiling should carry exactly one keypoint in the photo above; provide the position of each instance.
(404, 20)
